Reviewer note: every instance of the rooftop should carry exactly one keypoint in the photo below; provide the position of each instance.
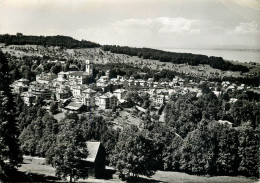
(74, 106)
(93, 148)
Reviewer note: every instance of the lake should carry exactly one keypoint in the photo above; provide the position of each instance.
(235, 55)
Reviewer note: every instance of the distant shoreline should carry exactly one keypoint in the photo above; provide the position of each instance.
(240, 55)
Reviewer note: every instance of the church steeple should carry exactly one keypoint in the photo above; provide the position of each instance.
(89, 67)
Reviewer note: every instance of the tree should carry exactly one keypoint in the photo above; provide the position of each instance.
(53, 107)
(248, 150)
(56, 68)
(10, 154)
(133, 97)
(134, 154)
(70, 151)
(199, 150)
(228, 160)
(205, 88)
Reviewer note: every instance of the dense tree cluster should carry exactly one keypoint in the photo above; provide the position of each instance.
(10, 154)
(176, 58)
(62, 41)
(209, 146)
(38, 131)
(128, 71)
(195, 140)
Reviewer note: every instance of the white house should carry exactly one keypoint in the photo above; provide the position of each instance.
(120, 93)
(88, 97)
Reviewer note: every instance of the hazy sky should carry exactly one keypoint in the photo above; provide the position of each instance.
(140, 23)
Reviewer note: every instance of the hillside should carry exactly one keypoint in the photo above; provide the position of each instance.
(177, 58)
(143, 53)
(101, 57)
(62, 41)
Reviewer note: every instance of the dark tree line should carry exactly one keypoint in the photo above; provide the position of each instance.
(176, 58)
(10, 154)
(62, 41)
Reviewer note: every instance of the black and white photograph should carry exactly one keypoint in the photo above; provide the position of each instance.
(130, 91)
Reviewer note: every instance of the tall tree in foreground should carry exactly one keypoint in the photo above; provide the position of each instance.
(248, 150)
(10, 154)
(134, 154)
(69, 151)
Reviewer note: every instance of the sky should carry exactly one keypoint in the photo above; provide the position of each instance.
(162, 24)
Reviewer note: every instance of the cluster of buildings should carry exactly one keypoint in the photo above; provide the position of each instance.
(67, 86)
(72, 92)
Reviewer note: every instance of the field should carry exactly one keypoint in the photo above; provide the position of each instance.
(102, 57)
(36, 166)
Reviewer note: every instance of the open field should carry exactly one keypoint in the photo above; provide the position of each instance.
(34, 165)
(102, 57)
(177, 177)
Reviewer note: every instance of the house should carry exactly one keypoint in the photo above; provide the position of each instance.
(45, 78)
(177, 81)
(88, 97)
(95, 161)
(77, 91)
(160, 99)
(143, 83)
(40, 90)
(20, 86)
(120, 93)
(61, 80)
(107, 101)
(28, 98)
(103, 80)
(97, 98)
(63, 92)
(225, 122)
(75, 107)
(217, 93)
(232, 100)
(129, 84)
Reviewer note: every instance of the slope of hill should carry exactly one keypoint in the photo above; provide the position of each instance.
(176, 58)
(62, 41)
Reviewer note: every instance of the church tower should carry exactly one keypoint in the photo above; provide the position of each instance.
(89, 67)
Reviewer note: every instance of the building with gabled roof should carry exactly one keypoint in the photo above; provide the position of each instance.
(95, 161)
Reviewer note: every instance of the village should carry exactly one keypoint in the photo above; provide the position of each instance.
(68, 92)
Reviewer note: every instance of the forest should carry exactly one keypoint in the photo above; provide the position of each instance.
(176, 58)
(61, 41)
